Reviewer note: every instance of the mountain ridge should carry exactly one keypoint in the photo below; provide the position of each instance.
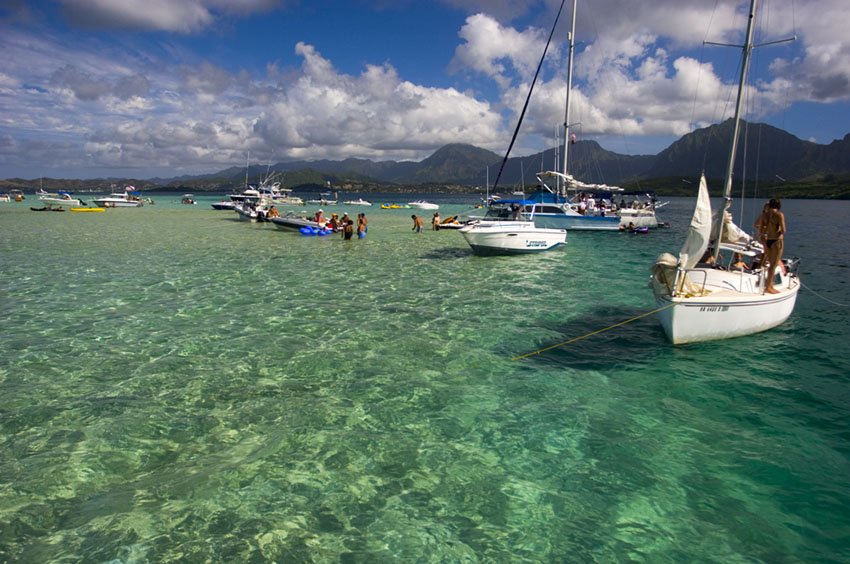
(782, 157)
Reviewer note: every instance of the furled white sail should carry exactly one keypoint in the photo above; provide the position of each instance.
(699, 231)
(732, 233)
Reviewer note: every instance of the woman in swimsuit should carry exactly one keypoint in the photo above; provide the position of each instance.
(774, 234)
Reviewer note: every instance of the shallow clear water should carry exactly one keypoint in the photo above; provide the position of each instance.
(179, 385)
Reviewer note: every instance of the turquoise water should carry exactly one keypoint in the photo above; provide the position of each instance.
(177, 385)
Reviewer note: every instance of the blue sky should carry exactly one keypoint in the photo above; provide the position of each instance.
(147, 88)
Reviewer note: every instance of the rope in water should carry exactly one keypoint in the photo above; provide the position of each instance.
(573, 340)
(833, 302)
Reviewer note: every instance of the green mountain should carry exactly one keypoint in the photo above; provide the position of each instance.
(787, 164)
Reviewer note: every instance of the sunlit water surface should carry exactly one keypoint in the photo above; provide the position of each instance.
(178, 385)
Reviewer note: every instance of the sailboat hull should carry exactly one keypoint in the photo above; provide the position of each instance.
(724, 314)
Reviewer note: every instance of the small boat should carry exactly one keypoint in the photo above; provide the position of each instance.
(452, 222)
(357, 202)
(252, 211)
(229, 205)
(394, 207)
(127, 199)
(423, 205)
(60, 198)
(48, 208)
(17, 195)
(498, 233)
(90, 210)
(188, 199)
(5, 197)
(325, 199)
(292, 222)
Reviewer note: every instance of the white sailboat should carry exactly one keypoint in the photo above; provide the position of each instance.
(572, 212)
(502, 230)
(700, 302)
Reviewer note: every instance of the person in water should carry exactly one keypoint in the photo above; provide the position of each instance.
(417, 223)
(362, 226)
(348, 230)
(774, 239)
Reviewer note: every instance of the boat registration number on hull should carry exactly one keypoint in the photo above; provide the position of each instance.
(714, 308)
(535, 244)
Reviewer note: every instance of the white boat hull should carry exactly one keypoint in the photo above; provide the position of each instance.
(511, 237)
(51, 201)
(424, 205)
(639, 218)
(117, 203)
(577, 222)
(733, 309)
(291, 223)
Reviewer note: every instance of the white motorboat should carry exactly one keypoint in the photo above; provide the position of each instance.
(423, 205)
(325, 199)
(273, 191)
(188, 199)
(698, 301)
(498, 233)
(60, 198)
(127, 199)
(253, 211)
(357, 202)
(224, 205)
(511, 237)
(292, 222)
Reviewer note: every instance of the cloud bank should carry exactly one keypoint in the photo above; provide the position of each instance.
(88, 105)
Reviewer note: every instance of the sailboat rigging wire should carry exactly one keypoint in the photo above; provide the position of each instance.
(573, 340)
(528, 98)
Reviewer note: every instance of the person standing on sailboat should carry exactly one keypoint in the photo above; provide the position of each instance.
(774, 241)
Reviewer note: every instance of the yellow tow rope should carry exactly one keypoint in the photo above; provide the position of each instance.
(573, 340)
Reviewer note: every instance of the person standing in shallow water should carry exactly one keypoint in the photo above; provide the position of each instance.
(417, 223)
(774, 240)
(362, 225)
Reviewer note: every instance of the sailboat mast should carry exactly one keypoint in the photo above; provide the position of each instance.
(247, 161)
(736, 130)
(572, 47)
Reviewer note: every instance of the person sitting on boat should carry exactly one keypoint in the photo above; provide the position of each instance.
(708, 260)
(319, 217)
(273, 212)
(739, 263)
